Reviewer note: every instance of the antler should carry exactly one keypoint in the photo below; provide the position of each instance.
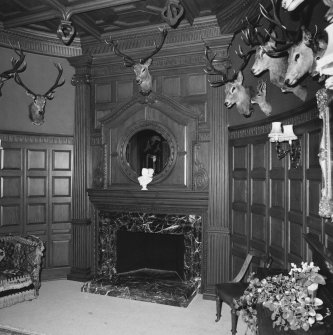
(16, 63)
(128, 61)
(49, 94)
(164, 33)
(210, 69)
(289, 37)
(20, 82)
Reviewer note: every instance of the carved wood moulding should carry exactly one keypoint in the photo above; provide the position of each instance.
(305, 113)
(45, 45)
(36, 139)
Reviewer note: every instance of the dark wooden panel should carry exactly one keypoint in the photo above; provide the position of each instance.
(258, 153)
(61, 160)
(296, 195)
(12, 159)
(239, 190)
(36, 159)
(313, 147)
(10, 215)
(61, 186)
(196, 84)
(239, 222)
(258, 229)
(277, 232)
(259, 192)
(313, 196)
(171, 86)
(60, 250)
(36, 213)
(61, 212)
(277, 193)
(240, 157)
(295, 240)
(11, 187)
(36, 186)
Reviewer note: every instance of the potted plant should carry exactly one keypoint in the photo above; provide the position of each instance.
(290, 300)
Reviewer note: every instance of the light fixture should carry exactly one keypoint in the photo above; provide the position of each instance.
(292, 147)
(1, 148)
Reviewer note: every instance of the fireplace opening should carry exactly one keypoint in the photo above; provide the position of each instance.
(148, 257)
(150, 251)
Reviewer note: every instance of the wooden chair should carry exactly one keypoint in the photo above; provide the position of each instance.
(227, 292)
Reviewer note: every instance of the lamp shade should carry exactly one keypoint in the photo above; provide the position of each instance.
(276, 132)
(288, 133)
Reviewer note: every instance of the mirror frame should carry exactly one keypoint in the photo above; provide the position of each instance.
(325, 107)
(143, 125)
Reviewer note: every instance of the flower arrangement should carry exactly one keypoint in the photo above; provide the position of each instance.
(291, 299)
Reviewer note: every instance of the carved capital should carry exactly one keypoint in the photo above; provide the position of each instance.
(81, 79)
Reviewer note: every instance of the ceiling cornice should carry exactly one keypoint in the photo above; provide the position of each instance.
(185, 35)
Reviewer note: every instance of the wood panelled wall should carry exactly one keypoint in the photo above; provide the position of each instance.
(36, 191)
(271, 203)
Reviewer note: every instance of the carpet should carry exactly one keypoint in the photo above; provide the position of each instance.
(6, 330)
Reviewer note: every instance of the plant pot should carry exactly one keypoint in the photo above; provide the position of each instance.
(265, 325)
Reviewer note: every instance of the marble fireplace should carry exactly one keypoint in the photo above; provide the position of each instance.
(149, 257)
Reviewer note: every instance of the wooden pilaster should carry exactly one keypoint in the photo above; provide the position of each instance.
(81, 223)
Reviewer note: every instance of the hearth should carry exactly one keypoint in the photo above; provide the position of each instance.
(148, 257)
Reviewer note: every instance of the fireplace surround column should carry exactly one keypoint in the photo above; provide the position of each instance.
(81, 223)
(218, 233)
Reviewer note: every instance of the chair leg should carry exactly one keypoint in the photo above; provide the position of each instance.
(218, 308)
(234, 319)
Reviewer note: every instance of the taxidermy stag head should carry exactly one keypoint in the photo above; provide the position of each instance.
(260, 98)
(303, 57)
(303, 48)
(16, 64)
(235, 92)
(142, 75)
(37, 107)
(264, 46)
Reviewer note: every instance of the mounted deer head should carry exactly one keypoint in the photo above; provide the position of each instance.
(260, 98)
(302, 48)
(16, 63)
(235, 92)
(37, 107)
(265, 60)
(142, 75)
(303, 57)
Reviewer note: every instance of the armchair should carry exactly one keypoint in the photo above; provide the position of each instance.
(20, 265)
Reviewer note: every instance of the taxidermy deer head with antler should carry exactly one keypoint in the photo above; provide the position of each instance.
(142, 75)
(16, 64)
(303, 48)
(235, 92)
(37, 107)
(265, 58)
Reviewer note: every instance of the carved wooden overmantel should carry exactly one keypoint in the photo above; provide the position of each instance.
(183, 108)
(177, 124)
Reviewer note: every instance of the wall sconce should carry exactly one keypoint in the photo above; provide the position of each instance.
(1, 148)
(293, 147)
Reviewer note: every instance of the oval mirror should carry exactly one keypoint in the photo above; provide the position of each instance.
(147, 149)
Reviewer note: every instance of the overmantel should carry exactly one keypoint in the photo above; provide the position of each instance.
(161, 201)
